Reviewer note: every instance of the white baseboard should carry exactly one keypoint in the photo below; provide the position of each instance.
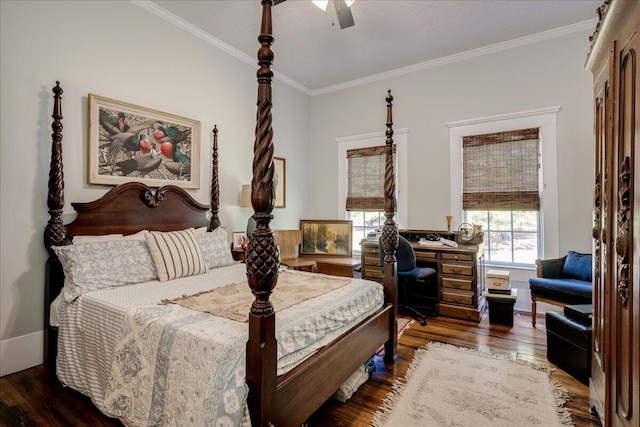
(23, 352)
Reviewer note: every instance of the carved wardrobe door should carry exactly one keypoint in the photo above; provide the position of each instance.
(624, 373)
(602, 231)
(615, 370)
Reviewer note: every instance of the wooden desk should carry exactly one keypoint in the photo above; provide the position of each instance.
(460, 275)
(336, 266)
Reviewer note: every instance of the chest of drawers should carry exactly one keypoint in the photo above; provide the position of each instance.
(460, 275)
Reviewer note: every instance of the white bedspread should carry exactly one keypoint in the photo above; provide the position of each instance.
(166, 365)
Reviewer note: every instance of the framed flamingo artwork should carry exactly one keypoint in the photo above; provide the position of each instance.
(132, 143)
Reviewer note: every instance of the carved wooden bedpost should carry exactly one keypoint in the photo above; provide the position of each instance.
(390, 237)
(215, 184)
(55, 233)
(262, 258)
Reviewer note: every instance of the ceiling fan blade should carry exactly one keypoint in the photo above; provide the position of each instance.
(277, 2)
(345, 18)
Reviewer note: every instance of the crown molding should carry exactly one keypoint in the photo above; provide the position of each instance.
(522, 41)
(162, 13)
(486, 50)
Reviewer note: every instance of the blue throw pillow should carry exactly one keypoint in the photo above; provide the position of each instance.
(577, 266)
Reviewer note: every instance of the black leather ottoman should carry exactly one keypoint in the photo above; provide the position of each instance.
(569, 340)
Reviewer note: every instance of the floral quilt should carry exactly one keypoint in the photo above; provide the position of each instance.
(177, 367)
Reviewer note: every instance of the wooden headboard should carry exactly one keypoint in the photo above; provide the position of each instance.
(125, 209)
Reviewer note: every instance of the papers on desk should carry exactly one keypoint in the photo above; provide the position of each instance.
(437, 244)
(430, 243)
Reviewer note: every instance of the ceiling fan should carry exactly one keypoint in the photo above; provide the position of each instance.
(342, 7)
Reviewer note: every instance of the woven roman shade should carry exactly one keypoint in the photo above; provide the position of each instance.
(500, 171)
(365, 178)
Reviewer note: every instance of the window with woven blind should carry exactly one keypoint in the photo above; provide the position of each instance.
(500, 171)
(365, 178)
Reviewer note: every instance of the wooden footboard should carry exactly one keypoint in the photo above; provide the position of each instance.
(304, 389)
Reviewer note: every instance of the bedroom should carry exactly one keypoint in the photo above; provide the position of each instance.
(212, 88)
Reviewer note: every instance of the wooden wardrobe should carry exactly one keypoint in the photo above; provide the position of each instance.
(613, 60)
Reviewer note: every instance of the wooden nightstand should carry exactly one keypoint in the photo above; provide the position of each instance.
(238, 254)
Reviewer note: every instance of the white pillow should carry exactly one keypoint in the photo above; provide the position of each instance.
(175, 254)
(98, 265)
(215, 248)
(105, 238)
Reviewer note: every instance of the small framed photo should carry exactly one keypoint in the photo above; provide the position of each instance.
(238, 238)
(326, 238)
(132, 143)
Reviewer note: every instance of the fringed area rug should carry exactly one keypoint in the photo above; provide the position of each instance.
(452, 386)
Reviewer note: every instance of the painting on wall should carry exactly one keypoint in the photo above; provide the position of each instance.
(280, 182)
(331, 238)
(132, 143)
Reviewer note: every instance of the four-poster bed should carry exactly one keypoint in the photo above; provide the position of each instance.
(276, 396)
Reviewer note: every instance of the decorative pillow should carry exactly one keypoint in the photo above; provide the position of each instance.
(98, 265)
(105, 238)
(577, 266)
(175, 254)
(215, 248)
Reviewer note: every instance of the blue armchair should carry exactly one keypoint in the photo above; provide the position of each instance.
(561, 281)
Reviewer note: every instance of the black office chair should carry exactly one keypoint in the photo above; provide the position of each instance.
(415, 284)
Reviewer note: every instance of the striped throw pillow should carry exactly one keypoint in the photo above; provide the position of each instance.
(175, 254)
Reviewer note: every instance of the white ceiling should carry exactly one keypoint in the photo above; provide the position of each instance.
(389, 37)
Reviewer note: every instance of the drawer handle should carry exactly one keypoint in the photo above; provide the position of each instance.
(457, 300)
(456, 285)
(455, 257)
(456, 271)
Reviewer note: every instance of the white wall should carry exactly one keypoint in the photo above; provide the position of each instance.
(120, 51)
(545, 74)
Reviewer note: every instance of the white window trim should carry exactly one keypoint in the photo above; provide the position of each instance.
(546, 120)
(400, 138)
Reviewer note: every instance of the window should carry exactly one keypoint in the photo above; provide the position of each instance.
(365, 190)
(509, 236)
(501, 192)
(517, 231)
(365, 222)
(365, 178)
(367, 217)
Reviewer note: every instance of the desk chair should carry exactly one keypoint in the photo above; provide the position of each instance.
(413, 282)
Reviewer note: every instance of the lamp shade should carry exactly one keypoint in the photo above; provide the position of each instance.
(245, 196)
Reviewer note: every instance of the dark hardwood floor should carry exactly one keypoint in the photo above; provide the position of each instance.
(34, 397)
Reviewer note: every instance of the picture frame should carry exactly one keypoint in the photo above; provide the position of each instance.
(326, 237)
(280, 182)
(238, 238)
(128, 142)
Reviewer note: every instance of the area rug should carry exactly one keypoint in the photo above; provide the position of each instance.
(452, 386)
